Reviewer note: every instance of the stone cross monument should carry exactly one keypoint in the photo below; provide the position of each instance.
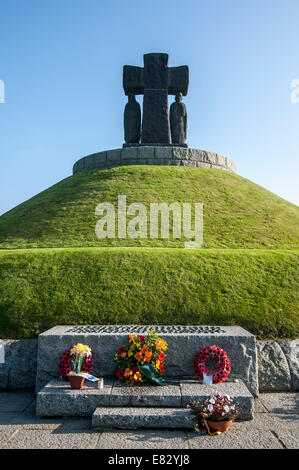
(154, 135)
(155, 81)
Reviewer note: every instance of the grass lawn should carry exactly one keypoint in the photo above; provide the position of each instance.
(245, 274)
(237, 212)
(256, 289)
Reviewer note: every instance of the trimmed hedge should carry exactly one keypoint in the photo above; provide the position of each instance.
(256, 289)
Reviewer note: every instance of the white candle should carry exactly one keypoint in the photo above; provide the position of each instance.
(101, 383)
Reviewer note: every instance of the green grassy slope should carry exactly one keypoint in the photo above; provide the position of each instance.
(237, 212)
(256, 289)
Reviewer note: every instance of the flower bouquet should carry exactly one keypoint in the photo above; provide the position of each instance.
(79, 353)
(142, 360)
(215, 414)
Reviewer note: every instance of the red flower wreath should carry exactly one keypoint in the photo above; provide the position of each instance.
(212, 352)
(65, 364)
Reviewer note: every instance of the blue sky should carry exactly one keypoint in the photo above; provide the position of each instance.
(61, 63)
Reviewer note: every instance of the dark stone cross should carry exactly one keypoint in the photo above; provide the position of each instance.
(155, 81)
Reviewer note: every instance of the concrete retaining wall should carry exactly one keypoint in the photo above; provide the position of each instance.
(143, 155)
(278, 365)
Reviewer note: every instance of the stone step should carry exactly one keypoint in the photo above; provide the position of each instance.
(58, 399)
(151, 418)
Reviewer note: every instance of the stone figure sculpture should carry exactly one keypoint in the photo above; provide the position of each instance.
(155, 81)
(178, 120)
(132, 120)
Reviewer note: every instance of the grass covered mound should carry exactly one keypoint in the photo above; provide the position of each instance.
(256, 289)
(237, 212)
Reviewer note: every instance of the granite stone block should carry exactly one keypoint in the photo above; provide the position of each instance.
(113, 155)
(100, 157)
(129, 153)
(57, 398)
(195, 154)
(127, 162)
(274, 372)
(19, 368)
(163, 152)
(89, 163)
(203, 165)
(192, 390)
(146, 153)
(291, 352)
(131, 418)
(78, 166)
(168, 396)
(180, 153)
(165, 162)
(183, 343)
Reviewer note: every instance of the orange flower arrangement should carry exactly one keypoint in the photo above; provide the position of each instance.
(141, 350)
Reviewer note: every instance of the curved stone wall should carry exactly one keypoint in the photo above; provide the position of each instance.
(150, 155)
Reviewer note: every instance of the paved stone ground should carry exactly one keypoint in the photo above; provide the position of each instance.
(275, 426)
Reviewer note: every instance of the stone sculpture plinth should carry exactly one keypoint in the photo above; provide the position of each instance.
(136, 154)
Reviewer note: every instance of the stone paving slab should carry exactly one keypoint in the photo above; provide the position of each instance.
(259, 407)
(29, 421)
(281, 402)
(273, 430)
(232, 439)
(6, 418)
(6, 433)
(10, 401)
(268, 421)
(34, 439)
(143, 440)
(285, 421)
(290, 439)
(75, 425)
(133, 418)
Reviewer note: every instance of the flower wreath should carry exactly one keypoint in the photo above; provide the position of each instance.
(65, 364)
(212, 352)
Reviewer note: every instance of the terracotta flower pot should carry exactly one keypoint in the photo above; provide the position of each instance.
(219, 425)
(76, 382)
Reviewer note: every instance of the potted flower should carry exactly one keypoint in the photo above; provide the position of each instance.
(215, 414)
(79, 353)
